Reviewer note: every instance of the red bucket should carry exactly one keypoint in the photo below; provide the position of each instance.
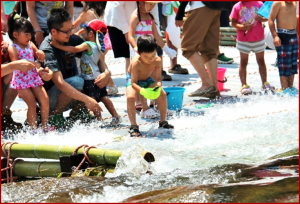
(221, 78)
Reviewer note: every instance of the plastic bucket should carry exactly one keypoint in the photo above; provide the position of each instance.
(174, 97)
(221, 78)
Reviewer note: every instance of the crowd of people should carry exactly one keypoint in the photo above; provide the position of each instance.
(56, 59)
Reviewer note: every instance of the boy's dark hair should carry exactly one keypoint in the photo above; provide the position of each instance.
(57, 17)
(146, 43)
(19, 24)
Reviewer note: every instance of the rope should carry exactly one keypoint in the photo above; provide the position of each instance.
(9, 166)
(85, 149)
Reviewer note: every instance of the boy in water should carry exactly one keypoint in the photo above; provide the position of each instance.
(139, 79)
(286, 43)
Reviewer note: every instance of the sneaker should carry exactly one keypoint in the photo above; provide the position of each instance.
(267, 86)
(294, 91)
(58, 121)
(283, 92)
(112, 90)
(210, 92)
(246, 89)
(7, 123)
(165, 77)
(116, 120)
(222, 59)
(177, 69)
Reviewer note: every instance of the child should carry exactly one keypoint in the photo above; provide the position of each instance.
(95, 10)
(28, 84)
(142, 22)
(90, 64)
(139, 80)
(250, 37)
(286, 43)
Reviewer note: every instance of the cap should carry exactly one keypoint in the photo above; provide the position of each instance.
(96, 25)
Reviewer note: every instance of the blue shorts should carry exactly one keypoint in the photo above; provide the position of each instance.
(53, 93)
(142, 83)
(287, 53)
(93, 90)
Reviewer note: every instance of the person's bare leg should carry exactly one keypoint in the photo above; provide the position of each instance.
(260, 58)
(29, 99)
(10, 94)
(284, 82)
(109, 106)
(173, 61)
(127, 63)
(243, 68)
(42, 96)
(212, 67)
(291, 81)
(162, 107)
(198, 63)
(131, 93)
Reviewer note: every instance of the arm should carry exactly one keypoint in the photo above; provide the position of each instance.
(71, 49)
(157, 76)
(239, 26)
(22, 65)
(70, 7)
(132, 28)
(81, 18)
(46, 74)
(121, 15)
(273, 15)
(38, 54)
(3, 19)
(134, 74)
(103, 79)
(39, 35)
(157, 37)
(260, 18)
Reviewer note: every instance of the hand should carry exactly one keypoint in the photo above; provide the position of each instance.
(102, 80)
(170, 52)
(178, 23)
(45, 73)
(248, 27)
(277, 41)
(39, 37)
(40, 55)
(24, 65)
(126, 37)
(92, 105)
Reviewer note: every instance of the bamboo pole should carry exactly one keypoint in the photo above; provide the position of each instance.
(98, 156)
(51, 169)
(228, 43)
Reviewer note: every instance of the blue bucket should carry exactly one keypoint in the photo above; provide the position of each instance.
(174, 97)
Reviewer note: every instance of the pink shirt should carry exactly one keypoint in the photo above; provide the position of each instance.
(245, 12)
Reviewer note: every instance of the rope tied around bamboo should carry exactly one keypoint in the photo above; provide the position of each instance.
(9, 163)
(85, 149)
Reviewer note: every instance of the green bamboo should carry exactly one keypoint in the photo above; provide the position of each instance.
(227, 29)
(52, 169)
(228, 34)
(98, 156)
(228, 38)
(228, 43)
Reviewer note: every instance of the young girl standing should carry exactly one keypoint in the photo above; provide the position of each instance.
(94, 10)
(28, 84)
(250, 37)
(142, 23)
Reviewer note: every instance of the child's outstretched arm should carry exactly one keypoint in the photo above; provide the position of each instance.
(81, 18)
(134, 20)
(273, 14)
(170, 52)
(71, 49)
(38, 54)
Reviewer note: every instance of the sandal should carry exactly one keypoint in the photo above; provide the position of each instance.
(138, 107)
(150, 114)
(169, 112)
(112, 90)
(165, 125)
(134, 131)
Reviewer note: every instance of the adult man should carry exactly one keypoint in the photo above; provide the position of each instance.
(65, 88)
(199, 35)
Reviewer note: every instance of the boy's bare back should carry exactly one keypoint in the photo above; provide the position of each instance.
(143, 70)
(285, 14)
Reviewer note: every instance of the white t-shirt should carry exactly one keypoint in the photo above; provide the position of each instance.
(193, 5)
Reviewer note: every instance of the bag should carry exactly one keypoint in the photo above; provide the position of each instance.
(265, 9)
(219, 5)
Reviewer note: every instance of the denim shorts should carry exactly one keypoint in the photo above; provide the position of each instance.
(53, 93)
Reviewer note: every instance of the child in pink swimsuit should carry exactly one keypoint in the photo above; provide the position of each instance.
(28, 84)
